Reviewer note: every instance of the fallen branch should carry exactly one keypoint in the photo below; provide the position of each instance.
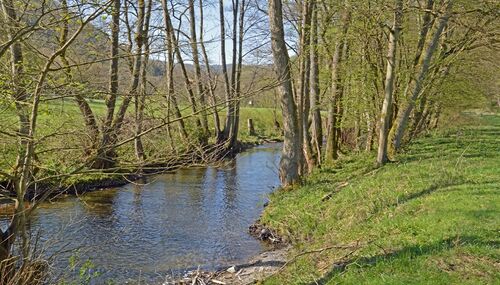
(355, 248)
(337, 189)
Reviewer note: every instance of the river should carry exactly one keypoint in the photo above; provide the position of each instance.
(177, 221)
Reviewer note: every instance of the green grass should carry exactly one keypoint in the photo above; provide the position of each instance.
(431, 217)
(62, 137)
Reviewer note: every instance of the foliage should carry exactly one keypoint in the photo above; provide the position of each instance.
(85, 271)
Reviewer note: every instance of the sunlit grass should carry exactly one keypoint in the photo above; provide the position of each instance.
(431, 217)
(61, 134)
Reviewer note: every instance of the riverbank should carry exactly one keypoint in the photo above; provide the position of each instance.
(84, 183)
(63, 131)
(257, 268)
(432, 216)
(196, 216)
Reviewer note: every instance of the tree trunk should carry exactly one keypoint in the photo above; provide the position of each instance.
(85, 110)
(139, 41)
(105, 154)
(316, 126)
(180, 60)
(197, 74)
(386, 113)
(140, 99)
(370, 131)
(304, 84)
(427, 23)
(237, 89)
(251, 129)
(399, 128)
(225, 75)
(331, 151)
(332, 143)
(230, 131)
(171, 98)
(292, 145)
(211, 85)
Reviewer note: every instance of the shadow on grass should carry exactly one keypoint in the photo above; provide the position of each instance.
(433, 188)
(409, 252)
(486, 146)
(336, 180)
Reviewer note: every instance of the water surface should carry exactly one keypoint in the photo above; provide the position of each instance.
(193, 217)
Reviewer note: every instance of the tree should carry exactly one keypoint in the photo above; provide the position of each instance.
(232, 83)
(316, 125)
(416, 85)
(337, 89)
(23, 174)
(197, 74)
(292, 145)
(386, 113)
(170, 55)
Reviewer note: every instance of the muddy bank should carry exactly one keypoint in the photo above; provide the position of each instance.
(255, 270)
(265, 234)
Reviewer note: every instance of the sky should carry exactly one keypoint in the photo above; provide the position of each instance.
(257, 36)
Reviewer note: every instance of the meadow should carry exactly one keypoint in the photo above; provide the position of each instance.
(430, 217)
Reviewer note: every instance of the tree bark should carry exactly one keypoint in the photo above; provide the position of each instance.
(180, 61)
(332, 143)
(316, 125)
(85, 110)
(171, 98)
(399, 128)
(197, 74)
(386, 113)
(211, 85)
(139, 41)
(227, 85)
(304, 102)
(140, 99)
(105, 154)
(230, 131)
(292, 145)
(239, 69)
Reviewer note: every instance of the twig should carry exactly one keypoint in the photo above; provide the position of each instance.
(356, 247)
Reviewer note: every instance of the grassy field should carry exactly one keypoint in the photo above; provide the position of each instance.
(431, 217)
(62, 136)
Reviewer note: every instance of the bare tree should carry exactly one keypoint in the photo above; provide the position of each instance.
(170, 55)
(197, 71)
(140, 97)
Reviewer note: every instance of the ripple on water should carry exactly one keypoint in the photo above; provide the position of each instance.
(193, 217)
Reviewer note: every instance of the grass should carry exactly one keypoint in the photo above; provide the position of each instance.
(62, 136)
(431, 217)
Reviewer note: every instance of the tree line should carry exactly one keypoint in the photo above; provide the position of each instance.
(381, 70)
(161, 99)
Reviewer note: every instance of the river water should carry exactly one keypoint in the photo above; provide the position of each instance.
(177, 221)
